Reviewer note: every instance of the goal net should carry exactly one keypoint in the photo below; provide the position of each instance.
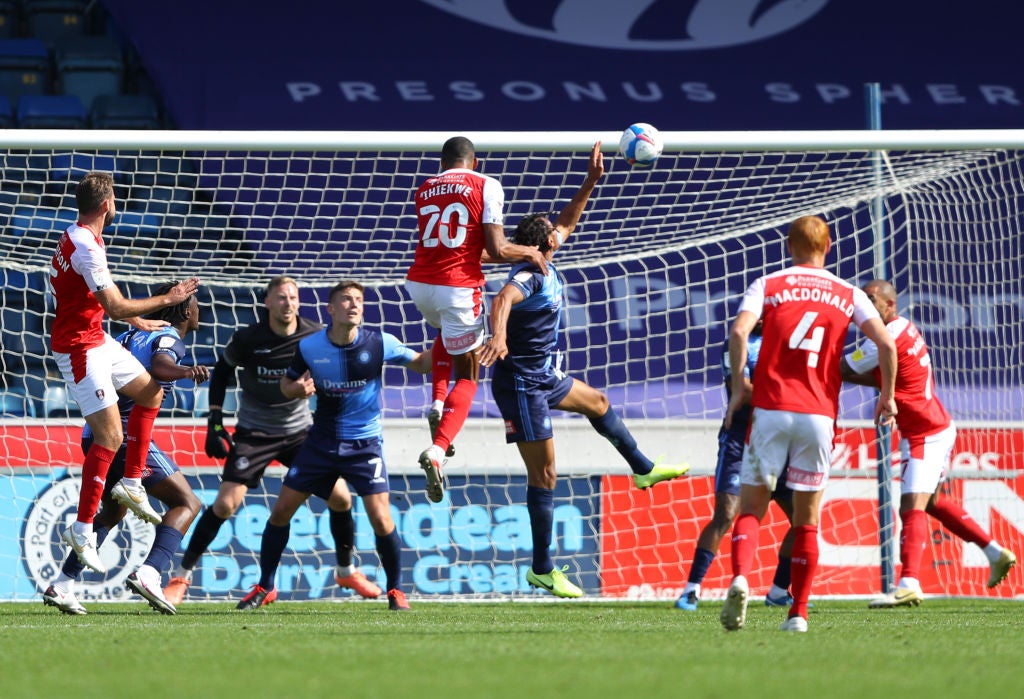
(653, 274)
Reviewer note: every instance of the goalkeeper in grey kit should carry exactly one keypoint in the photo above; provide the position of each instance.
(270, 428)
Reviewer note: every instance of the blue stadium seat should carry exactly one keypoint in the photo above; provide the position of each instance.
(52, 20)
(30, 222)
(125, 112)
(51, 112)
(70, 167)
(88, 67)
(57, 402)
(24, 68)
(16, 404)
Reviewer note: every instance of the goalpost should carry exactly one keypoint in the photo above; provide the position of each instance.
(653, 274)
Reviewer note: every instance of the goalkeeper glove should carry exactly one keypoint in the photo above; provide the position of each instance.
(218, 439)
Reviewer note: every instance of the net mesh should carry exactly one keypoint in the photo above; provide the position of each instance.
(653, 276)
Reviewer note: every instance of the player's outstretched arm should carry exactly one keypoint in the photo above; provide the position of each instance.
(118, 307)
(570, 215)
(496, 346)
(885, 410)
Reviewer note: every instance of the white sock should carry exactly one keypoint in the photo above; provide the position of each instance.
(777, 591)
(344, 571)
(63, 584)
(694, 587)
(437, 406)
(82, 528)
(993, 551)
(133, 483)
(909, 584)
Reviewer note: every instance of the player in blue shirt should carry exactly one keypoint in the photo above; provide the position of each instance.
(727, 494)
(527, 382)
(161, 352)
(343, 365)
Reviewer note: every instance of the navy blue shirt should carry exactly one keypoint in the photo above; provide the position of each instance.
(348, 380)
(535, 323)
(741, 418)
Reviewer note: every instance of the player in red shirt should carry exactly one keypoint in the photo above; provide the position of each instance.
(806, 312)
(96, 367)
(927, 435)
(459, 213)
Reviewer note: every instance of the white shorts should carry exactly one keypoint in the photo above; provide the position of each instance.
(95, 376)
(457, 310)
(776, 435)
(925, 461)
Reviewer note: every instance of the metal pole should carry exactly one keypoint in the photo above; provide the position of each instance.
(883, 435)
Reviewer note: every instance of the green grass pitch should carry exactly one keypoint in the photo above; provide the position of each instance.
(578, 649)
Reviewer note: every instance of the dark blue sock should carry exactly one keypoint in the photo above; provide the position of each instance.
(782, 573)
(614, 430)
(540, 503)
(165, 545)
(389, 549)
(274, 541)
(343, 529)
(205, 532)
(72, 566)
(702, 560)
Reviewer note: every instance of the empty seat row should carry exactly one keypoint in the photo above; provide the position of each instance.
(69, 112)
(86, 66)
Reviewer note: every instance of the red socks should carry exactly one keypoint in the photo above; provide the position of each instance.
(441, 369)
(804, 566)
(456, 410)
(140, 434)
(94, 476)
(744, 543)
(955, 518)
(913, 539)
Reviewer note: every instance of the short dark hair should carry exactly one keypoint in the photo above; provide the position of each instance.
(533, 230)
(457, 148)
(342, 286)
(93, 189)
(178, 313)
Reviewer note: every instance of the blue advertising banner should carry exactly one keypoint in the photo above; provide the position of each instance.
(578, 64)
(477, 542)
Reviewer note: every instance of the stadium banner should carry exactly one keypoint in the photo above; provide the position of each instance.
(619, 542)
(578, 64)
(646, 535)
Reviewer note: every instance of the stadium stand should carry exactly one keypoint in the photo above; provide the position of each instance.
(52, 112)
(111, 111)
(16, 404)
(89, 67)
(24, 68)
(53, 20)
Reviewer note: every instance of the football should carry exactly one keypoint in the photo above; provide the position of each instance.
(640, 145)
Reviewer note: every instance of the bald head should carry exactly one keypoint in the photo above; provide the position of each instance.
(809, 240)
(883, 295)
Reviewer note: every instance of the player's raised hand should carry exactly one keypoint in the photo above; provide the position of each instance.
(596, 167)
(182, 290)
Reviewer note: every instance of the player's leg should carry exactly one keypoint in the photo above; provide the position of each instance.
(389, 546)
(90, 383)
(272, 545)
(168, 485)
(810, 460)
(779, 595)
(148, 395)
(585, 400)
(343, 531)
(440, 377)
(61, 591)
(460, 311)
(247, 461)
(957, 520)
